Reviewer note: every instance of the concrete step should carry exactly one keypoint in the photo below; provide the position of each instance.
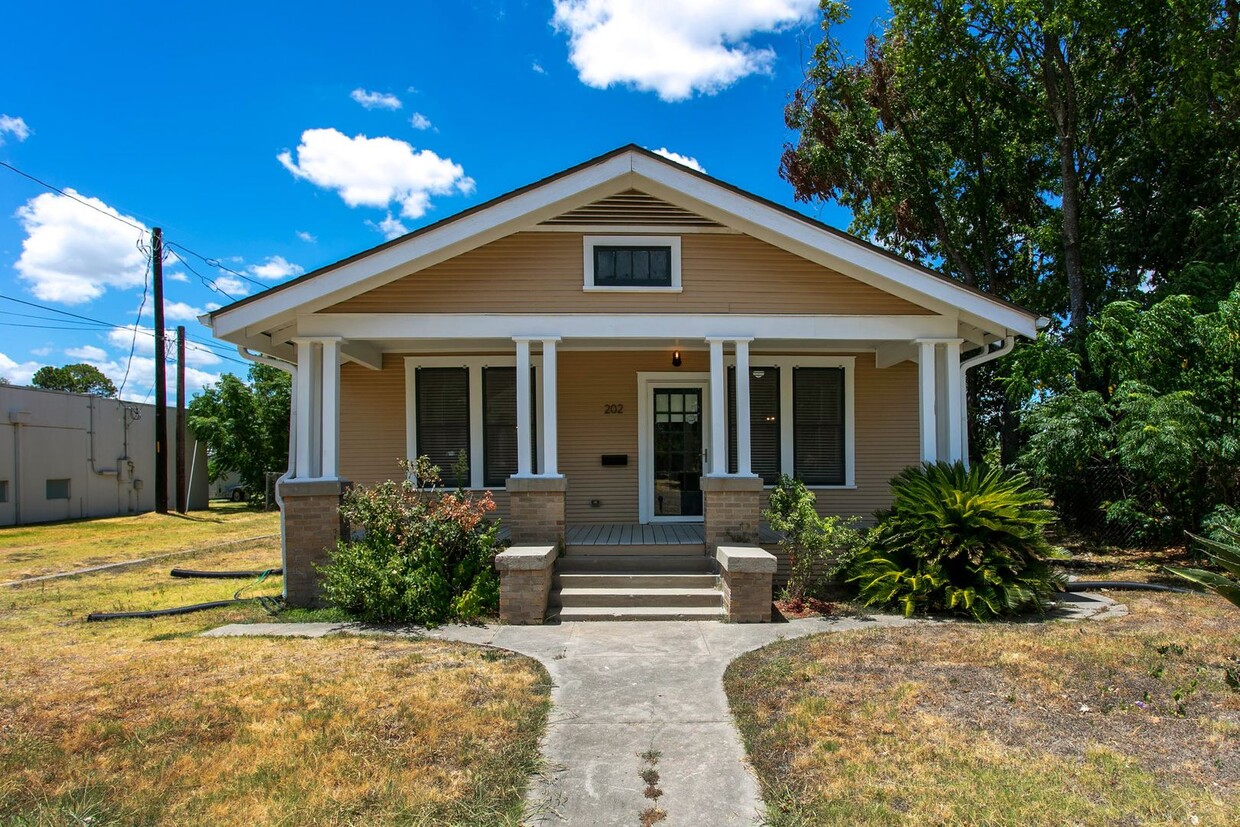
(635, 581)
(665, 550)
(633, 564)
(637, 613)
(671, 599)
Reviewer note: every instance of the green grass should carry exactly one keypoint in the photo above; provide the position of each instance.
(143, 722)
(1127, 721)
(49, 548)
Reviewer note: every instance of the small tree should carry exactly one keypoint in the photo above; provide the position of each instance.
(78, 378)
(245, 425)
(817, 547)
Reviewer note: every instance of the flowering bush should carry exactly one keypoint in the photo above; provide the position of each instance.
(419, 554)
(817, 547)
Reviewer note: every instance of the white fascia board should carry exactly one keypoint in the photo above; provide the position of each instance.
(852, 259)
(623, 326)
(430, 247)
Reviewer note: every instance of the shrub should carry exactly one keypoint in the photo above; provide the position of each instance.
(960, 540)
(420, 554)
(817, 547)
(1226, 555)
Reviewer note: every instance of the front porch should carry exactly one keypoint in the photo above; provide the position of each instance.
(649, 534)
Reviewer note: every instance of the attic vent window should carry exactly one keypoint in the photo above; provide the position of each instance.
(632, 263)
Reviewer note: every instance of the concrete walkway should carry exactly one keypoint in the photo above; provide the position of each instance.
(621, 689)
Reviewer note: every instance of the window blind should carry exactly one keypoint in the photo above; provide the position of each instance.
(764, 443)
(442, 399)
(818, 425)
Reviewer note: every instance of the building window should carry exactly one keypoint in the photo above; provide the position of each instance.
(4, 491)
(57, 490)
(633, 263)
(764, 425)
(499, 425)
(442, 425)
(818, 425)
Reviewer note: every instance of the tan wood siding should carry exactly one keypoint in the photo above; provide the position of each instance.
(372, 429)
(537, 272)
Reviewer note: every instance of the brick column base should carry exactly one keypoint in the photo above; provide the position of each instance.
(536, 509)
(746, 573)
(732, 507)
(525, 583)
(310, 526)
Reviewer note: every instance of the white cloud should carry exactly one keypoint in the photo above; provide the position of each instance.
(374, 172)
(306, 237)
(375, 100)
(276, 268)
(42, 351)
(212, 306)
(176, 277)
(673, 49)
(19, 373)
(389, 226)
(420, 121)
(13, 126)
(121, 337)
(691, 163)
(233, 286)
(87, 353)
(73, 254)
(538, 67)
(181, 312)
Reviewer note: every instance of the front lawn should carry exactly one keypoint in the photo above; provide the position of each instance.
(142, 722)
(1134, 720)
(33, 550)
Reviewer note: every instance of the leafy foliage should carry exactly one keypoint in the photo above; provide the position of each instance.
(78, 378)
(423, 555)
(817, 547)
(961, 540)
(1166, 425)
(245, 426)
(1224, 554)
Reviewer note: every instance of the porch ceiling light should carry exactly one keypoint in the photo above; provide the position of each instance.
(675, 358)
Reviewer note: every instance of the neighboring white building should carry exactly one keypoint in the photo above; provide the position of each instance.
(70, 455)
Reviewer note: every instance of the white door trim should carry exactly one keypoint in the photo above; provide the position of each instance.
(646, 383)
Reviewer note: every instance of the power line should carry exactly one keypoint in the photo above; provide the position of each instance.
(214, 262)
(133, 342)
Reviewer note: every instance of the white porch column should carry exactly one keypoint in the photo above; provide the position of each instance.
(718, 402)
(303, 467)
(744, 462)
(550, 459)
(329, 462)
(926, 402)
(952, 408)
(523, 407)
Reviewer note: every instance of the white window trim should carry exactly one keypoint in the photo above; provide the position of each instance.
(787, 452)
(474, 364)
(591, 241)
(646, 383)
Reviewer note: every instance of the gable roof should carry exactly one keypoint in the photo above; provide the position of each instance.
(604, 180)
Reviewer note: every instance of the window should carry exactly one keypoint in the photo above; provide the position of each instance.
(818, 425)
(4, 491)
(57, 490)
(443, 418)
(499, 425)
(632, 263)
(764, 425)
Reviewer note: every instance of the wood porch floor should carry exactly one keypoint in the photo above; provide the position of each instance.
(651, 534)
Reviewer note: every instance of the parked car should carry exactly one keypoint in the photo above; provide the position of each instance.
(236, 492)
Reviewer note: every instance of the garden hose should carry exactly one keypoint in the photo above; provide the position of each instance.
(224, 575)
(271, 604)
(1127, 585)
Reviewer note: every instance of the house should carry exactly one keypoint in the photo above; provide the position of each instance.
(72, 455)
(580, 340)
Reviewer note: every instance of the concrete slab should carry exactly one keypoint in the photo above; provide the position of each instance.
(620, 689)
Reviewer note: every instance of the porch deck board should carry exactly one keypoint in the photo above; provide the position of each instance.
(651, 534)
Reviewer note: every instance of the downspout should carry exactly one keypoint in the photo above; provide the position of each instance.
(982, 358)
(291, 370)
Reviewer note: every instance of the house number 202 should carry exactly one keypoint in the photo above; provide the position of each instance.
(613, 409)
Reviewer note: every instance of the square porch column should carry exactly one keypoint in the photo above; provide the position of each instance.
(926, 381)
(951, 408)
(731, 503)
(744, 459)
(536, 501)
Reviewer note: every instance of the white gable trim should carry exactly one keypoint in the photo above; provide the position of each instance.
(624, 170)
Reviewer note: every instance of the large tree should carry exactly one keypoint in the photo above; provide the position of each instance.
(78, 378)
(245, 425)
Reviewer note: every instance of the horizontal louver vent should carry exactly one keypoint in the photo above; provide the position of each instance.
(631, 207)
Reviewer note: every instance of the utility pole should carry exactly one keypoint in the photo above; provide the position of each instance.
(182, 484)
(161, 378)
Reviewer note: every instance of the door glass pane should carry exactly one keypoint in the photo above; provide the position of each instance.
(678, 452)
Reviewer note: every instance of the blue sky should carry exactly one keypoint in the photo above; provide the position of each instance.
(275, 139)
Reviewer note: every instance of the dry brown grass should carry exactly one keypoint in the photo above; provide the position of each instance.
(31, 551)
(145, 723)
(1127, 721)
